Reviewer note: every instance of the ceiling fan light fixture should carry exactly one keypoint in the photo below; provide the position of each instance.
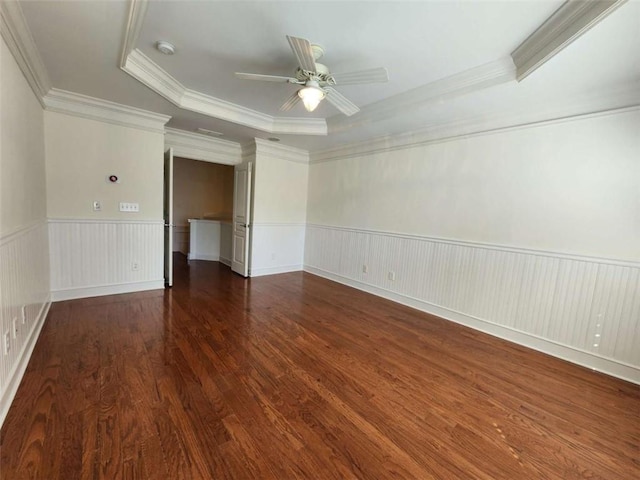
(311, 96)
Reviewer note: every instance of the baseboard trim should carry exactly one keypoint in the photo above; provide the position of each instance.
(564, 352)
(101, 290)
(225, 261)
(15, 377)
(259, 272)
(204, 256)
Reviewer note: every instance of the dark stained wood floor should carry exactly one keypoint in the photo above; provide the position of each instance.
(295, 377)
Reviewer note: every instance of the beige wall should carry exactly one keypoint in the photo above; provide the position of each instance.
(81, 153)
(201, 189)
(280, 190)
(24, 249)
(22, 168)
(568, 187)
(280, 179)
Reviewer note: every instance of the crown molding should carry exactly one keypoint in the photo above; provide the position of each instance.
(92, 108)
(146, 71)
(471, 80)
(568, 23)
(619, 101)
(300, 126)
(200, 147)
(217, 108)
(280, 151)
(248, 151)
(137, 12)
(17, 35)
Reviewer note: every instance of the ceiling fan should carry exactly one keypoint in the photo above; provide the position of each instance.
(317, 80)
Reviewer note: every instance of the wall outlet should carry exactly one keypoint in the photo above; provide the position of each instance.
(391, 276)
(135, 266)
(14, 327)
(6, 343)
(97, 206)
(365, 269)
(24, 314)
(129, 207)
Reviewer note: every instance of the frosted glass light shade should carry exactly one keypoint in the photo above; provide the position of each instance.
(311, 97)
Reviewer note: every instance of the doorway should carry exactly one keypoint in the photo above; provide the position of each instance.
(202, 210)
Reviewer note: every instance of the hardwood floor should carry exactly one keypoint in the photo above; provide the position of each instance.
(295, 377)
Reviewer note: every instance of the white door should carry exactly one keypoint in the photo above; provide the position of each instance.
(168, 217)
(241, 216)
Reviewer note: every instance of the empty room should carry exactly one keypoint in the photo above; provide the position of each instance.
(320, 239)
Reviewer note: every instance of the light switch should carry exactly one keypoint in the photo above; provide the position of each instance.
(97, 206)
(129, 207)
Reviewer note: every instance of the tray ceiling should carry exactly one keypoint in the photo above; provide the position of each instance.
(426, 47)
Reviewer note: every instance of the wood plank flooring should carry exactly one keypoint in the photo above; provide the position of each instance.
(295, 377)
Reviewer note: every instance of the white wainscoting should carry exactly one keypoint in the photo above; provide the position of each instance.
(276, 248)
(585, 310)
(92, 258)
(24, 295)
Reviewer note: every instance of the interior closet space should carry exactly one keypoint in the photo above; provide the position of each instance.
(203, 209)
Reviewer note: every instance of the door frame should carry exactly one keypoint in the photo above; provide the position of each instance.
(204, 149)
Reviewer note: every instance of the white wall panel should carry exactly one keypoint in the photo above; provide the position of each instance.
(24, 295)
(568, 187)
(277, 248)
(586, 304)
(90, 258)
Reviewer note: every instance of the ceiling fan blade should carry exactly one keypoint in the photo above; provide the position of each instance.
(266, 78)
(304, 55)
(291, 102)
(372, 75)
(339, 101)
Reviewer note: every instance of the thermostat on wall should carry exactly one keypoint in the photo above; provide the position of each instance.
(113, 179)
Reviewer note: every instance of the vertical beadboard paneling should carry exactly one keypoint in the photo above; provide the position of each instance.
(96, 258)
(24, 287)
(589, 305)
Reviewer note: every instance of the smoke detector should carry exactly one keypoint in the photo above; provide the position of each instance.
(165, 47)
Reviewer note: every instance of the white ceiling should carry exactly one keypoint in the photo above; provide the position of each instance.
(420, 43)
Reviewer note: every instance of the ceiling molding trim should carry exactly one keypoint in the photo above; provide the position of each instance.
(137, 12)
(146, 71)
(217, 108)
(248, 151)
(200, 147)
(92, 108)
(300, 126)
(462, 83)
(568, 23)
(18, 38)
(618, 102)
(280, 151)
